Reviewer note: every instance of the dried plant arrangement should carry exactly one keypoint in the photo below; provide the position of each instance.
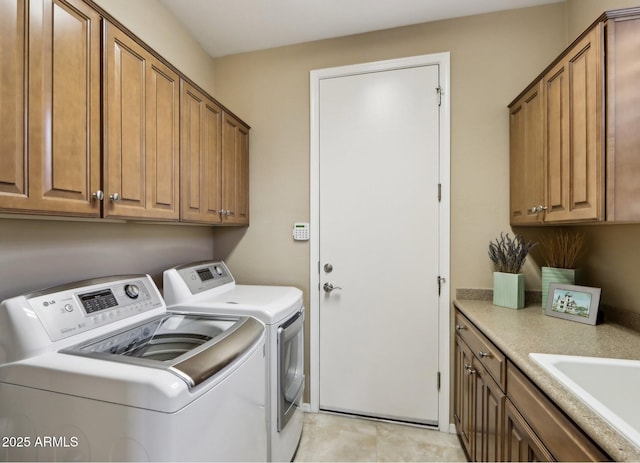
(508, 254)
(563, 249)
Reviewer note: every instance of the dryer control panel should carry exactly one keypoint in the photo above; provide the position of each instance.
(72, 309)
(204, 276)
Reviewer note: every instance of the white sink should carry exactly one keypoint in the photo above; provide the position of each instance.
(610, 387)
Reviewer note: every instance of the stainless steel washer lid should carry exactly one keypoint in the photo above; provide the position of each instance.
(193, 347)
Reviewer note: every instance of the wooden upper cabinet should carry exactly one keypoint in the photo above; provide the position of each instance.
(88, 111)
(141, 131)
(235, 171)
(13, 87)
(591, 141)
(200, 157)
(574, 137)
(526, 160)
(623, 117)
(63, 113)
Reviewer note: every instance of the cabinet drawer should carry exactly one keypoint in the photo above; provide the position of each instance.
(489, 355)
(561, 436)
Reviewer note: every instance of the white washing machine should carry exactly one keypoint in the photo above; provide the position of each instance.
(100, 371)
(209, 287)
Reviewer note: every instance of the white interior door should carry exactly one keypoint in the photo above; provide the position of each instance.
(379, 243)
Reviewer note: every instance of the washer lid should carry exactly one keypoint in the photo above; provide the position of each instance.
(193, 347)
(269, 304)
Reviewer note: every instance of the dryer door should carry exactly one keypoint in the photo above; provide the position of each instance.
(290, 367)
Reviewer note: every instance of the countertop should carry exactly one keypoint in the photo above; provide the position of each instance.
(519, 332)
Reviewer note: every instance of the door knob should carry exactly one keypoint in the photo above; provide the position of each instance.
(328, 287)
(328, 268)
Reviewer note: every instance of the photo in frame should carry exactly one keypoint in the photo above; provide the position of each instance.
(572, 302)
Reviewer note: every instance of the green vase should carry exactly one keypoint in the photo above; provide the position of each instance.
(565, 276)
(508, 290)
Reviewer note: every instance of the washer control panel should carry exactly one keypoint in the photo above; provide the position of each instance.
(204, 276)
(72, 309)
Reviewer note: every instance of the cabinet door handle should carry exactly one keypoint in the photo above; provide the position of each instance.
(539, 208)
(114, 197)
(99, 195)
(460, 327)
(468, 370)
(484, 354)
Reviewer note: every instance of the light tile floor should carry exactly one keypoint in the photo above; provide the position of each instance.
(329, 437)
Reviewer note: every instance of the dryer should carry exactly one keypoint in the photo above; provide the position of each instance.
(99, 371)
(209, 287)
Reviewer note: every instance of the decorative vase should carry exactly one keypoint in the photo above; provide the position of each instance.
(565, 276)
(508, 290)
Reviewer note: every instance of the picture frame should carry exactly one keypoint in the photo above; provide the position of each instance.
(573, 302)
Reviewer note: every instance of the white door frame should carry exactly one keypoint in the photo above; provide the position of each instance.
(442, 60)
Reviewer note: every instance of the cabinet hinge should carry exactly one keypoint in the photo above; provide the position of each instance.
(438, 380)
(439, 192)
(441, 281)
(439, 91)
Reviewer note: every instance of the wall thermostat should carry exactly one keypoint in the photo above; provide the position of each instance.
(301, 231)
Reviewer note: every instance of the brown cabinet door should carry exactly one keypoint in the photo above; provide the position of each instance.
(463, 408)
(200, 157)
(526, 158)
(235, 171)
(13, 85)
(141, 161)
(574, 118)
(520, 442)
(623, 119)
(488, 417)
(63, 112)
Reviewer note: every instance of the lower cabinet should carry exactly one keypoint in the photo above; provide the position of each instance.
(520, 442)
(489, 400)
(478, 397)
(500, 415)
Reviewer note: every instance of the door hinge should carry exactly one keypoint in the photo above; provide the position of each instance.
(439, 91)
(439, 192)
(441, 281)
(438, 380)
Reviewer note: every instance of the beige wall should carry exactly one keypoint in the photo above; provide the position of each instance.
(493, 57)
(36, 253)
(582, 13)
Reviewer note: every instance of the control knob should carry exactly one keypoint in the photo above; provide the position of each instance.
(132, 291)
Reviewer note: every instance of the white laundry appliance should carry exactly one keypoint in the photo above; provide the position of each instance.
(209, 287)
(99, 370)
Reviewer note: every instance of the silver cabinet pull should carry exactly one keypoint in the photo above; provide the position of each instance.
(99, 195)
(114, 197)
(328, 287)
(484, 354)
(539, 208)
(460, 328)
(468, 370)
